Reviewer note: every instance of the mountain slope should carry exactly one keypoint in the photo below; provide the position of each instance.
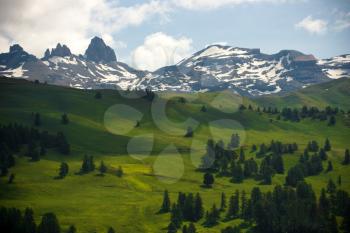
(246, 71)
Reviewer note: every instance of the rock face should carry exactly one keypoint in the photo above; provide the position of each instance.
(98, 51)
(246, 71)
(59, 51)
(15, 57)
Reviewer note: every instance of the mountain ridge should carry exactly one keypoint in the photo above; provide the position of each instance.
(243, 70)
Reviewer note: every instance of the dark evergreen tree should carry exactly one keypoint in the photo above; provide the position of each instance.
(331, 121)
(277, 163)
(111, 230)
(11, 178)
(29, 225)
(172, 228)
(120, 172)
(323, 155)
(330, 166)
(237, 173)
(64, 119)
(204, 109)
(102, 168)
(37, 119)
(63, 170)
(233, 207)
(241, 155)
(295, 175)
(191, 228)
(223, 202)
(208, 180)
(235, 141)
(212, 217)
(331, 187)
(198, 207)
(189, 132)
(346, 157)
(72, 229)
(327, 145)
(49, 224)
(165, 208)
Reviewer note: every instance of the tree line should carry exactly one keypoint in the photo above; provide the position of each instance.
(12, 220)
(284, 209)
(14, 136)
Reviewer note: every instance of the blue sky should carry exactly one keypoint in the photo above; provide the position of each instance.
(150, 34)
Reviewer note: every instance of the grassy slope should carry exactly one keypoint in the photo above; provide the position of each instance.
(129, 204)
(334, 93)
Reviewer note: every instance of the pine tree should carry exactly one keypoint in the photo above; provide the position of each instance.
(29, 225)
(324, 204)
(346, 157)
(189, 132)
(11, 178)
(331, 121)
(165, 208)
(330, 166)
(204, 109)
(191, 228)
(241, 155)
(233, 207)
(119, 172)
(63, 171)
(323, 155)
(172, 228)
(327, 145)
(37, 119)
(331, 187)
(223, 202)
(72, 229)
(333, 227)
(64, 119)
(198, 207)
(212, 217)
(184, 229)
(111, 230)
(102, 168)
(208, 180)
(339, 180)
(176, 216)
(244, 205)
(277, 162)
(295, 175)
(49, 224)
(237, 173)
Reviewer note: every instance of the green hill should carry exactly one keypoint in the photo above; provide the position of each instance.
(335, 93)
(154, 156)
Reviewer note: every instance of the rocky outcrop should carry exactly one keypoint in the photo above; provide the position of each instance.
(98, 51)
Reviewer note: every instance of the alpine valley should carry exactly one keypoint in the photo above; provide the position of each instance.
(246, 71)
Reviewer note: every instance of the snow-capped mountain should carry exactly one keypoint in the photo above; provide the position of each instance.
(246, 71)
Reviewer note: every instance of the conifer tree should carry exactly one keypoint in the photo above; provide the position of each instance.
(327, 145)
(11, 178)
(165, 208)
(331, 121)
(111, 230)
(323, 155)
(49, 224)
(208, 180)
(98, 95)
(330, 166)
(64, 119)
(189, 132)
(63, 171)
(29, 225)
(191, 228)
(331, 187)
(346, 157)
(120, 172)
(72, 229)
(237, 173)
(223, 202)
(172, 228)
(37, 119)
(241, 155)
(102, 168)
(198, 207)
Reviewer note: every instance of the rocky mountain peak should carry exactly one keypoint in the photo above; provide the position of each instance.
(98, 51)
(59, 51)
(16, 48)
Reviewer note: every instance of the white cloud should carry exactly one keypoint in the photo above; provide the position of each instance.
(213, 4)
(38, 24)
(343, 21)
(313, 26)
(160, 50)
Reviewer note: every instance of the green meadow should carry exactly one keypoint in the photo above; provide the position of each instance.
(154, 156)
